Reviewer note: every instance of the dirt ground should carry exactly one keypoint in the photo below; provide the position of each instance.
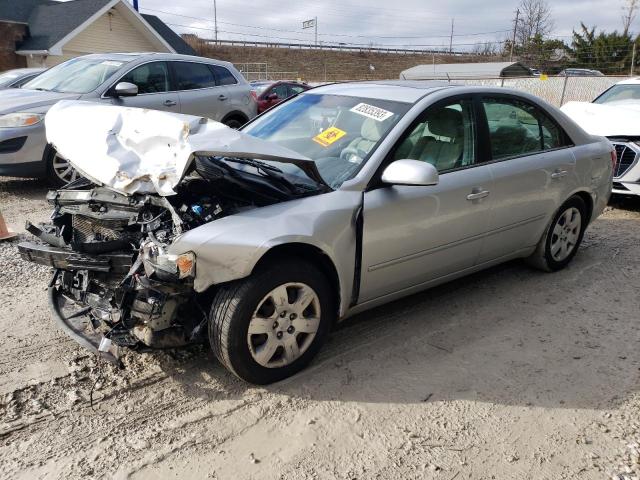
(507, 374)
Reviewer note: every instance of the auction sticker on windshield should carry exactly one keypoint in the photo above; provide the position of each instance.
(371, 111)
(329, 136)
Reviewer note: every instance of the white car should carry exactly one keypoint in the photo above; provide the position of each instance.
(615, 114)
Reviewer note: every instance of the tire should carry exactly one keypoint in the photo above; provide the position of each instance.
(244, 303)
(233, 123)
(547, 257)
(55, 170)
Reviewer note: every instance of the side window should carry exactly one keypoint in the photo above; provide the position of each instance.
(444, 137)
(191, 75)
(518, 128)
(225, 77)
(150, 78)
(280, 90)
(295, 89)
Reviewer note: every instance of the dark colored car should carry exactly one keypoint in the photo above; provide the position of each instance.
(269, 94)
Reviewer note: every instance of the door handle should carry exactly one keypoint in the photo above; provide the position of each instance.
(559, 174)
(478, 194)
(222, 97)
(170, 103)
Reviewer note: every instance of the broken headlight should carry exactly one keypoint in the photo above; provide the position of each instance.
(183, 265)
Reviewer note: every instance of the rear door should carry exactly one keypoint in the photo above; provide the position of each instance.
(199, 94)
(532, 167)
(416, 234)
(153, 80)
(238, 93)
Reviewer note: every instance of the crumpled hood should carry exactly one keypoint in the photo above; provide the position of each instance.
(135, 150)
(608, 120)
(21, 100)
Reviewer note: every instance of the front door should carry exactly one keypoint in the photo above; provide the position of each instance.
(416, 234)
(153, 82)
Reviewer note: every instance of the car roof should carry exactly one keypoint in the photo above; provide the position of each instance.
(408, 91)
(630, 81)
(139, 56)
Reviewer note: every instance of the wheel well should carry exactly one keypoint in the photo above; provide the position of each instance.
(311, 254)
(588, 201)
(241, 117)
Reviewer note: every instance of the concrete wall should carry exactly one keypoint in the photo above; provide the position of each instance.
(324, 65)
(10, 33)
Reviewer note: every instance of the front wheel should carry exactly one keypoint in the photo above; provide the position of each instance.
(561, 240)
(59, 171)
(270, 325)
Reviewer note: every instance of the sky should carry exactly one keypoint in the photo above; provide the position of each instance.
(406, 23)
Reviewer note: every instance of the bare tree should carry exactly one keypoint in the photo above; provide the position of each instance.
(534, 21)
(629, 9)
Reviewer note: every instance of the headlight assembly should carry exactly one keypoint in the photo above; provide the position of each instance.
(186, 265)
(20, 119)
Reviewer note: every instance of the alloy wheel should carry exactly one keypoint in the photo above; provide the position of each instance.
(284, 325)
(565, 234)
(63, 169)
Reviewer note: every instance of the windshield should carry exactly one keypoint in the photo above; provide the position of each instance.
(619, 93)
(79, 75)
(337, 132)
(259, 88)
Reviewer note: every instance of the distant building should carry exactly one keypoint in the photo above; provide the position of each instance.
(444, 71)
(43, 33)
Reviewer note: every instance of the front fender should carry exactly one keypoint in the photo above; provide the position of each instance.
(229, 248)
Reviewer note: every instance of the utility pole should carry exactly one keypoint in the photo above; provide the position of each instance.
(316, 24)
(215, 22)
(633, 58)
(451, 38)
(513, 40)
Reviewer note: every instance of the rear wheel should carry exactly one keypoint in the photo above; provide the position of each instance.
(233, 123)
(561, 240)
(269, 326)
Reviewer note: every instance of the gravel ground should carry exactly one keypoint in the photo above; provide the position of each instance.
(509, 373)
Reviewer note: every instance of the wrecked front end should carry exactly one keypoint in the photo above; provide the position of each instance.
(114, 282)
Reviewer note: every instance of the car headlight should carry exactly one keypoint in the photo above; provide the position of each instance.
(20, 119)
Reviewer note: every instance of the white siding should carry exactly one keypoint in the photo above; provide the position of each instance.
(111, 32)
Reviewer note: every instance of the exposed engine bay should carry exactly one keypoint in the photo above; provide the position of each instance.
(114, 283)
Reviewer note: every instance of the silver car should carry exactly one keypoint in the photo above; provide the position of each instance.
(18, 76)
(170, 82)
(341, 199)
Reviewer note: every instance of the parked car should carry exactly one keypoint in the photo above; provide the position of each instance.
(580, 72)
(615, 113)
(269, 94)
(346, 197)
(17, 77)
(171, 82)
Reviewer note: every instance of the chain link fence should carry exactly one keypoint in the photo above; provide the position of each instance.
(260, 71)
(555, 90)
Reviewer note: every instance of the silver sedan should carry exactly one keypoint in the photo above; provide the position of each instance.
(346, 197)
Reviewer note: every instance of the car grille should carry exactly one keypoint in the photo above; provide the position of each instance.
(88, 230)
(627, 156)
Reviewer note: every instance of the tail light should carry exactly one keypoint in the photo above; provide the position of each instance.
(254, 95)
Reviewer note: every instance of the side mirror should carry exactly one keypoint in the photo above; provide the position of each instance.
(272, 96)
(125, 89)
(410, 172)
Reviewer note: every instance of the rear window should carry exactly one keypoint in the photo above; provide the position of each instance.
(191, 75)
(225, 77)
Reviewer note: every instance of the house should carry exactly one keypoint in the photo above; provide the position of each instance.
(43, 33)
(445, 71)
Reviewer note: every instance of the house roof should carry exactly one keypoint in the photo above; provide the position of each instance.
(171, 37)
(462, 70)
(51, 21)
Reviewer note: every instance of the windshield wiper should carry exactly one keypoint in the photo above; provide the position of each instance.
(267, 169)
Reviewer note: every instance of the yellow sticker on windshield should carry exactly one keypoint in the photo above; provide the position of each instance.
(329, 136)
